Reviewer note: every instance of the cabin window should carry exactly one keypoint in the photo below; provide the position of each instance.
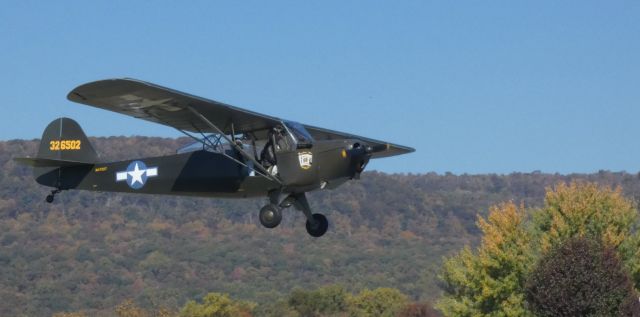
(300, 135)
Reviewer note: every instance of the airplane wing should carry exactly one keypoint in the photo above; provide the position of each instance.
(169, 107)
(380, 148)
(185, 112)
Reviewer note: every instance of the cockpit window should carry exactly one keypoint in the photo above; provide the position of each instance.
(215, 143)
(298, 131)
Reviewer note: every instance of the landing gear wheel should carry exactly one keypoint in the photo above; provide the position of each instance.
(270, 216)
(319, 227)
(50, 197)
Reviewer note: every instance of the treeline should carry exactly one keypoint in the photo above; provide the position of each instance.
(327, 301)
(90, 252)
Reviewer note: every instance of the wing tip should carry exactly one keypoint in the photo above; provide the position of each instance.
(76, 94)
(401, 148)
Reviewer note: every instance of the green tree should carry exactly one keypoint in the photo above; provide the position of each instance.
(581, 277)
(216, 305)
(490, 282)
(157, 263)
(381, 302)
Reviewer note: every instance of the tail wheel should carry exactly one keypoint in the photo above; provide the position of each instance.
(319, 226)
(270, 216)
(51, 196)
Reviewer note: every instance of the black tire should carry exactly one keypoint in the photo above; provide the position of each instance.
(49, 198)
(321, 225)
(270, 216)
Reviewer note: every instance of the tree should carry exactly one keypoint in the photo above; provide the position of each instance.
(326, 300)
(490, 282)
(581, 277)
(582, 209)
(418, 310)
(382, 302)
(129, 309)
(217, 305)
(277, 308)
(157, 263)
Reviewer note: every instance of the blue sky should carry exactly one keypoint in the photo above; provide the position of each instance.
(474, 86)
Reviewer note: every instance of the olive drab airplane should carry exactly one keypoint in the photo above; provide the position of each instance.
(237, 153)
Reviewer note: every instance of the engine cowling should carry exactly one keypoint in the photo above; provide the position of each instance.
(360, 155)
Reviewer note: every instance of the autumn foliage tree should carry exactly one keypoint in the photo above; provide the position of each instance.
(217, 305)
(581, 277)
(491, 280)
(418, 310)
(587, 210)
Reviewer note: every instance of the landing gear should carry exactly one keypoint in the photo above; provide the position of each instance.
(270, 216)
(51, 196)
(319, 225)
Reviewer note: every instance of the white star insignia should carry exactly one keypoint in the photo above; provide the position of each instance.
(136, 175)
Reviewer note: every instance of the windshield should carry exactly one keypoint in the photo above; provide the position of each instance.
(300, 134)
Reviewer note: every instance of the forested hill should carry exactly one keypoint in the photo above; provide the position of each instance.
(90, 251)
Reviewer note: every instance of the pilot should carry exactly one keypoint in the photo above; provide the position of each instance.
(275, 143)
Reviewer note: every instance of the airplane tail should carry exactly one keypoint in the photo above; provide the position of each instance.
(63, 146)
(64, 140)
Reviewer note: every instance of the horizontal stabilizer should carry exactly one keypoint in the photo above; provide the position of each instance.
(44, 162)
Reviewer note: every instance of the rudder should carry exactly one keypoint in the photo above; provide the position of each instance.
(63, 139)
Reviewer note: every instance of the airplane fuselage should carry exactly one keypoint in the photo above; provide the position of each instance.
(208, 174)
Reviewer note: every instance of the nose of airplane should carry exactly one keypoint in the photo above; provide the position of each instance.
(360, 155)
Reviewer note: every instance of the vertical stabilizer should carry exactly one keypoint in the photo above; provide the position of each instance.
(64, 140)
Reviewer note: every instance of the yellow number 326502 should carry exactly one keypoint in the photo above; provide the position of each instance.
(64, 145)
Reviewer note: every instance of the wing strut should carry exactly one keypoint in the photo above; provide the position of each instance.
(256, 164)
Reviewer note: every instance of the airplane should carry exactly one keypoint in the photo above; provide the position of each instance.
(236, 153)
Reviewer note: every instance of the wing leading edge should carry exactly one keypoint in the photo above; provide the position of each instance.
(381, 148)
(173, 108)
